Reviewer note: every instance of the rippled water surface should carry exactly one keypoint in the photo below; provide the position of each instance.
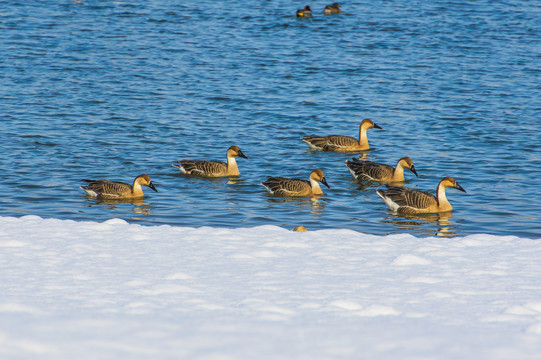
(112, 89)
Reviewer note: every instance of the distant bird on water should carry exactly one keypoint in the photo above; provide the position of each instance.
(334, 8)
(105, 189)
(305, 12)
(407, 201)
(341, 143)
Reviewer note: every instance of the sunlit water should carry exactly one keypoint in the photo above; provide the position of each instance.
(113, 89)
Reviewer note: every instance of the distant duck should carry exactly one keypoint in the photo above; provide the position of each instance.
(407, 201)
(341, 143)
(105, 189)
(212, 168)
(306, 12)
(334, 8)
(371, 171)
(296, 187)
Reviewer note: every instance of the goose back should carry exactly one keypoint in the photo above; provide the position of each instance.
(405, 200)
(105, 189)
(296, 187)
(369, 171)
(281, 186)
(342, 143)
(202, 167)
(209, 168)
(331, 142)
(410, 201)
(364, 170)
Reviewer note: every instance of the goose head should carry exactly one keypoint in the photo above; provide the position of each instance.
(369, 124)
(408, 164)
(449, 182)
(144, 179)
(317, 175)
(235, 151)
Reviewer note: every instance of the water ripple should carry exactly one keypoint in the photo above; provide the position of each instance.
(112, 90)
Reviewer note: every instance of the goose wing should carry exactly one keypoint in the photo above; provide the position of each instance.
(203, 167)
(370, 171)
(410, 201)
(287, 187)
(106, 188)
(341, 141)
(331, 142)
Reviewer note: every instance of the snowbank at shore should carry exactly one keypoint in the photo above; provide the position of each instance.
(86, 290)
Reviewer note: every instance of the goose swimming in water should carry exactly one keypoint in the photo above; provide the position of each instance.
(212, 168)
(306, 12)
(105, 189)
(334, 8)
(405, 200)
(296, 187)
(341, 143)
(371, 171)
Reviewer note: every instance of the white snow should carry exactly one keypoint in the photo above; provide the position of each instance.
(113, 290)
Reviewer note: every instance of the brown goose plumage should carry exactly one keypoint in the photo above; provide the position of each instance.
(105, 189)
(341, 143)
(296, 187)
(372, 171)
(212, 168)
(405, 200)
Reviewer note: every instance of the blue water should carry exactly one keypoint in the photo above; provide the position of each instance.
(113, 89)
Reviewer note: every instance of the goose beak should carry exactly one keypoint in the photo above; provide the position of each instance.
(324, 182)
(151, 185)
(412, 169)
(376, 126)
(241, 154)
(457, 186)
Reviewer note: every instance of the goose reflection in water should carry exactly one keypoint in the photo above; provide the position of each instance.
(140, 206)
(234, 180)
(317, 206)
(424, 223)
